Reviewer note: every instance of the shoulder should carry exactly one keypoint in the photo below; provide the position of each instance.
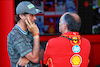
(51, 43)
(13, 33)
(53, 39)
(85, 40)
(57, 39)
(11, 36)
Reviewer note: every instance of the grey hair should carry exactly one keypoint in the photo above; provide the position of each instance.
(63, 20)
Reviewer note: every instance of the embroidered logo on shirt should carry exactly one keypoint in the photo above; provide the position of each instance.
(76, 48)
(75, 39)
(76, 60)
(50, 62)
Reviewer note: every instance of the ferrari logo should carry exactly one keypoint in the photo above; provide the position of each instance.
(75, 39)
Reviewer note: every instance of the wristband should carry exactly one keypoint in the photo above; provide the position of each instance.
(35, 34)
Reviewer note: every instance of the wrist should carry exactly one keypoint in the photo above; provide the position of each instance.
(36, 34)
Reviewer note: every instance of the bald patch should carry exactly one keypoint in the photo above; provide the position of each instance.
(76, 17)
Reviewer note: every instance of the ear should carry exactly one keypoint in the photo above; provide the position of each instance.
(21, 16)
(64, 26)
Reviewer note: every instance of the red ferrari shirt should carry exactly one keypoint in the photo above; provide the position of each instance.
(68, 50)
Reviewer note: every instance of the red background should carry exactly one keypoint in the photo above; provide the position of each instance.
(7, 23)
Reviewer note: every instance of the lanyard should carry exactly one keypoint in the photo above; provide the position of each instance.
(70, 38)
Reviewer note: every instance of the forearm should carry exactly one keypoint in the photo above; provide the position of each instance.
(34, 55)
(36, 46)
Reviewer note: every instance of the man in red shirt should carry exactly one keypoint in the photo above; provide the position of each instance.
(70, 49)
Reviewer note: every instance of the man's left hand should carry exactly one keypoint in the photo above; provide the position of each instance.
(22, 61)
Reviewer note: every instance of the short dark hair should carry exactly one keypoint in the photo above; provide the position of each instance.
(72, 23)
(17, 18)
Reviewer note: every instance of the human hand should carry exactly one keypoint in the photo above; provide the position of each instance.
(32, 27)
(22, 61)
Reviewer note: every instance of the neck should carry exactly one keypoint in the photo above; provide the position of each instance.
(22, 25)
(65, 31)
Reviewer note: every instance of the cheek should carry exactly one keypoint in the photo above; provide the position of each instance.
(30, 18)
(34, 17)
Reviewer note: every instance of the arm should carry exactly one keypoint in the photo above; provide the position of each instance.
(24, 61)
(34, 55)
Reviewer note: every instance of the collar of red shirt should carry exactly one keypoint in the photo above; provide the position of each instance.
(70, 33)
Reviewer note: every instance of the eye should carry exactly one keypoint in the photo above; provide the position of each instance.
(31, 14)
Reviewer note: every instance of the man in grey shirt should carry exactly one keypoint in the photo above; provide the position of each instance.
(23, 41)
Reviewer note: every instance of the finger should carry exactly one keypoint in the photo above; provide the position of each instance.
(21, 63)
(27, 23)
(18, 62)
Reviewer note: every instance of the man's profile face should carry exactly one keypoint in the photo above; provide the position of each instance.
(32, 17)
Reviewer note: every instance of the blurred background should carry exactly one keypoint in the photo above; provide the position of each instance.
(88, 10)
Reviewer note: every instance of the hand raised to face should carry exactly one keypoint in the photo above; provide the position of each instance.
(32, 27)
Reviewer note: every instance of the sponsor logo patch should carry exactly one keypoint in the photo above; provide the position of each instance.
(76, 48)
(76, 60)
